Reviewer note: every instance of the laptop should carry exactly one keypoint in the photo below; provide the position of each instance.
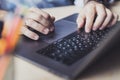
(67, 52)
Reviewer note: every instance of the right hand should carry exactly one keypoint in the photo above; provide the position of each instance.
(37, 20)
(95, 16)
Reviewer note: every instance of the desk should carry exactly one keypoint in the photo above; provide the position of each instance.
(105, 69)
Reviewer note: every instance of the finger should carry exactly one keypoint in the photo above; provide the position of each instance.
(53, 18)
(107, 20)
(36, 26)
(40, 12)
(29, 33)
(89, 20)
(52, 27)
(101, 15)
(114, 20)
(39, 18)
(80, 20)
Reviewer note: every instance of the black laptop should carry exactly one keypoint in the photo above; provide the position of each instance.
(67, 52)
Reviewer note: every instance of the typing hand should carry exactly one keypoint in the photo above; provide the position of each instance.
(95, 16)
(39, 21)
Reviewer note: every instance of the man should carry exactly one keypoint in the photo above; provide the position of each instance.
(93, 16)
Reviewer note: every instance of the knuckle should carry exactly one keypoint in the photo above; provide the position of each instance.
(109, 13)
(27, 22)
(48, 24)
(101, 5)
(91, 15)
(116, 16)
(31, 9)
(39, 17)
(92, 4)
(47, 16)
(103, 14)
(35, 25)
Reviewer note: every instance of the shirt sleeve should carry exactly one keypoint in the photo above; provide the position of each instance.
(79, 3)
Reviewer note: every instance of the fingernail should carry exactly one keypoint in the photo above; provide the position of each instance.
(100, 28)
(45, 31)
(94, 28)
(88, 30)
(52, 28)
(36, 37)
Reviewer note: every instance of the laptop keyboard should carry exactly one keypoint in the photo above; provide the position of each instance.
(73, 47)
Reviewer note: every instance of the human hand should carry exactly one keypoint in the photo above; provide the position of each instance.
(39, 21)
(95, 16)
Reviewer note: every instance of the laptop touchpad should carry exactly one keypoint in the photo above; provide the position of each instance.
(62, 29)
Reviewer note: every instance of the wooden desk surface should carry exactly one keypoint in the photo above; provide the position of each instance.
(105, 69)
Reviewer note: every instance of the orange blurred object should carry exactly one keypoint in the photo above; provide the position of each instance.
(8, 40)
(4, 62)
(10, 34)
(2, 46)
